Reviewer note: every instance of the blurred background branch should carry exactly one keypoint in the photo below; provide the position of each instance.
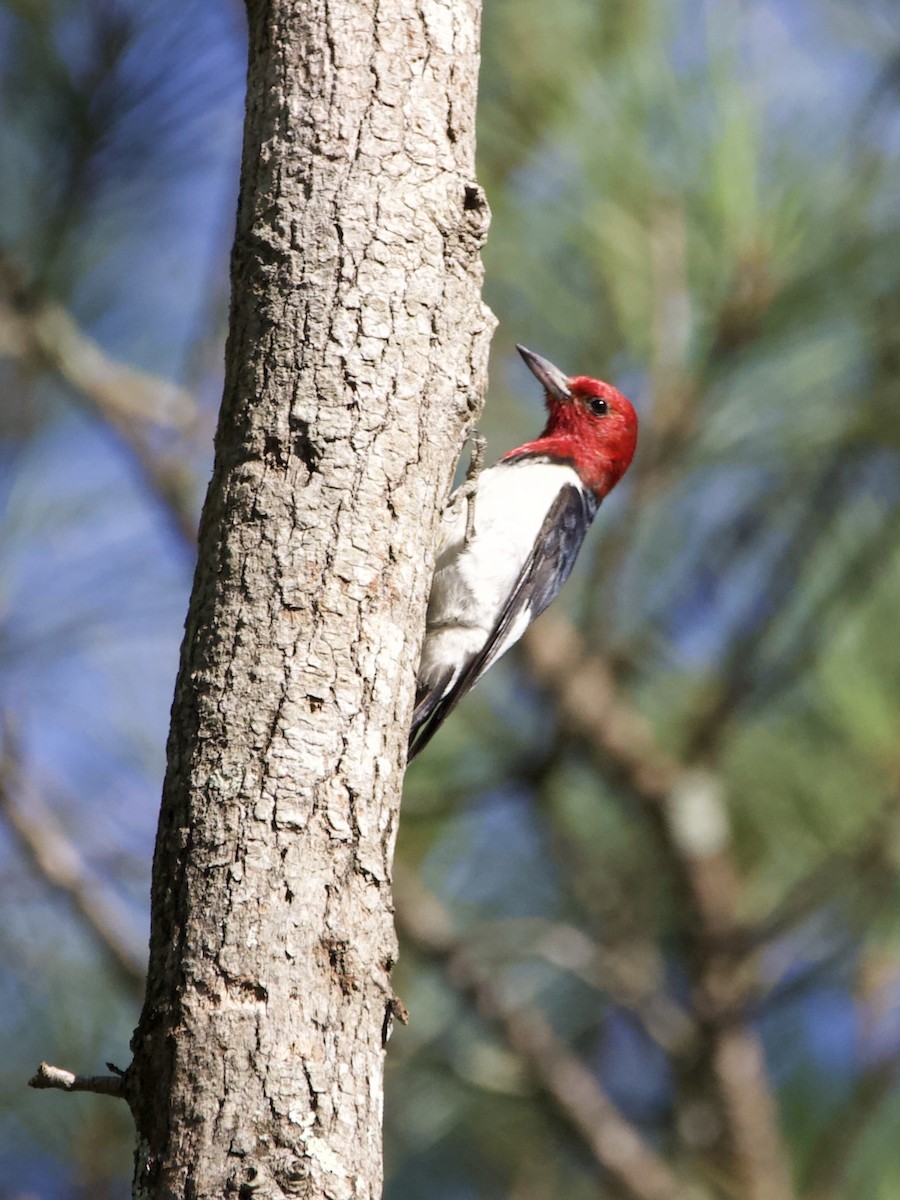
(42, 335)
(57, 861)
(616, 1145)
(687, 811)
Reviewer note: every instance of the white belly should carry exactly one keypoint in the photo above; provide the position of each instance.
(473, 582)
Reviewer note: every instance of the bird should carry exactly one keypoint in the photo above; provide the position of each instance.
(507, 542)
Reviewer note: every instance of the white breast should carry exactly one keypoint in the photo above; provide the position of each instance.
(472, 582)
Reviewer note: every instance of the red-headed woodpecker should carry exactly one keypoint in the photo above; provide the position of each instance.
(531, 512)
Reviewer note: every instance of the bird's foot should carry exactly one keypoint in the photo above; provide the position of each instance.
(469, 487)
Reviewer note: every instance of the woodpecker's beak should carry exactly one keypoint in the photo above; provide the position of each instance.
(554, 381)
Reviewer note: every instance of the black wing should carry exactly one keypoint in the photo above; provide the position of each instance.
(544, 572)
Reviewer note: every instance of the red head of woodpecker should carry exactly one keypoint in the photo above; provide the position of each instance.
(531, 512)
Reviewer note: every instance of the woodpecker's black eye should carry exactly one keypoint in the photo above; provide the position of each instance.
(598, 406)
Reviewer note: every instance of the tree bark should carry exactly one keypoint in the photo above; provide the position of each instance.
(357, 348)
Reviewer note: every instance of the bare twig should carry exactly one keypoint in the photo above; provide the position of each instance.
(617, 1146)
(64, 1081)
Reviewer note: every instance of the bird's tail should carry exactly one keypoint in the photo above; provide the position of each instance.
(433, 703)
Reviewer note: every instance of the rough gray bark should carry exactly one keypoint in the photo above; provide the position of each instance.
(358, 343)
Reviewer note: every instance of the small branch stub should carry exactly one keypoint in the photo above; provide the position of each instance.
(65, 1081)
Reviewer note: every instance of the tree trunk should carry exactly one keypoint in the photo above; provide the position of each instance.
(357, 347)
